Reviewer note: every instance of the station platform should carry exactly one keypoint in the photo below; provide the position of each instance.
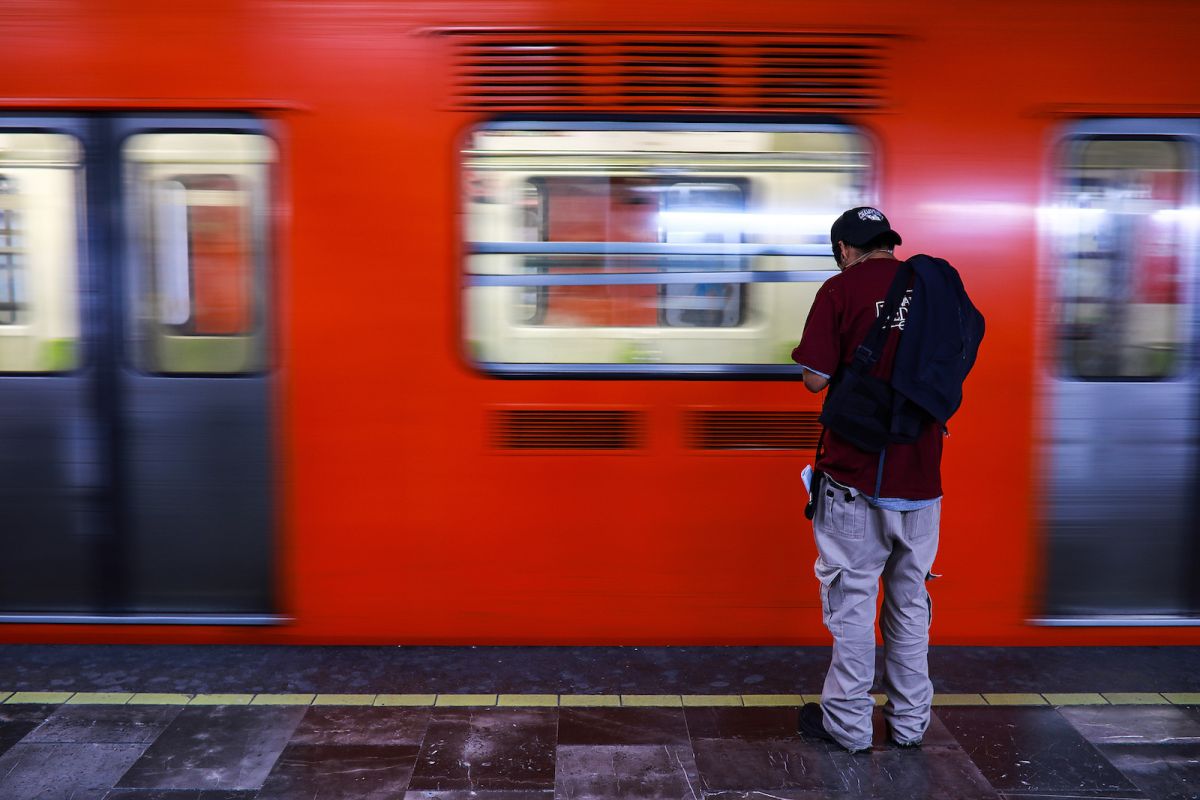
(534, 723)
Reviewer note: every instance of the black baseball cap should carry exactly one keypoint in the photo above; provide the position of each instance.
(860, 225)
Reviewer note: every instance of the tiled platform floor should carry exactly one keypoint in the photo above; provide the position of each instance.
(130, 735)
(123, 752)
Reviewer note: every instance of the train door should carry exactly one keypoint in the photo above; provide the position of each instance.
(1124, 396)
(135, 439)
(51, 490)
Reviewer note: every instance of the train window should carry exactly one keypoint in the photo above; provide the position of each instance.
(200, 208)
(650, 248)
(39, 301)
(1119, 225)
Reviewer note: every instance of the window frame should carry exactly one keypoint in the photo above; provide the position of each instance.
(668, 371)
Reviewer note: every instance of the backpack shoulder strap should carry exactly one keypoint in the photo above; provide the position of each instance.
(872, 346)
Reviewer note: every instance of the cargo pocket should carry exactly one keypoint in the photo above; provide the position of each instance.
(929, 576)
(845, 512)
(927, 520)
(831, 595)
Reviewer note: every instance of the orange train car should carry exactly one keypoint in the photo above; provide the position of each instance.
(423, 322)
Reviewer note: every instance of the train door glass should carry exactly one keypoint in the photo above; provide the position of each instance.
(48, 476)
(198, 450)
(1123, 400)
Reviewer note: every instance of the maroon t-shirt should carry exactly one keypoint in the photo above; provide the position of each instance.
(845, 307)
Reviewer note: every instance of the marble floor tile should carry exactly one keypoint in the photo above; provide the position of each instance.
(748, 724)
(64, 771)
(346, 725)
(18, 721)
(764, 765)
(1134, 724)
(936, 735)
(780, 794)
(1031, 749)
(618, 726)
(626, 772)
(1074, 796)
(752, 724)
(36, 713)
(178, 794)
(458, 794)
(13, 732)
(1162, 771)
(216, 747)
(487, 749)
(916, 774)
(101, 724)
(340, 772)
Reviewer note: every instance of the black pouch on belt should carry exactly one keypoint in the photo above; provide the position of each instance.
(814, 491)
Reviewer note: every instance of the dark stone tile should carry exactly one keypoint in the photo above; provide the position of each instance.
(62, 771)
(178, 794)
(1133, 724)
(1162, 771)
(330, 772)
(345, 725)
(487, 749)
(764, 765)
(36, 713)
(756, 724)
(936, 734)
(100, 724)
(458, 794)
(625, 772)
(748, 724)
(216, 747)
(1032, 750)
(911, 775)
(13, 732)
(780, 794)
(1076, 796)
(622, 726)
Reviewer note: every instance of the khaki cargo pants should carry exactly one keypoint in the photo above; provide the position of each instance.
(858, 543)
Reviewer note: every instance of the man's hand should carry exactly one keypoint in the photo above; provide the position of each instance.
(814, 382)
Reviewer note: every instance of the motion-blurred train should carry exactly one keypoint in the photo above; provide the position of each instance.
(432, 322)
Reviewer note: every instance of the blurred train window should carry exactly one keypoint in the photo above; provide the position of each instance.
(1120, 230)
(39, 299)
(663, 248)
(200, 207)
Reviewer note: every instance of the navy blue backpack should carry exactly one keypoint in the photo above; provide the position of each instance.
(942, 333)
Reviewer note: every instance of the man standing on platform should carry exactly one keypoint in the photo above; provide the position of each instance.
(873, 516)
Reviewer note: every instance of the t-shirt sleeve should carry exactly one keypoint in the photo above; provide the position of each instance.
(820, 348)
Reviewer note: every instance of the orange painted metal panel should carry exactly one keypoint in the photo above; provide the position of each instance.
(400, 523)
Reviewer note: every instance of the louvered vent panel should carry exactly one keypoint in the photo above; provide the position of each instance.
(553, 429)
(754, 430)
(516, 70)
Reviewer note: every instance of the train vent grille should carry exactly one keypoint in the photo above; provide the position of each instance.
(738, 72)
(555, 429)
(753, 430)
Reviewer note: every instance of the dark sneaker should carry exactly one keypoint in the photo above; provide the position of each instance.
(812, 725)
(913, 745)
